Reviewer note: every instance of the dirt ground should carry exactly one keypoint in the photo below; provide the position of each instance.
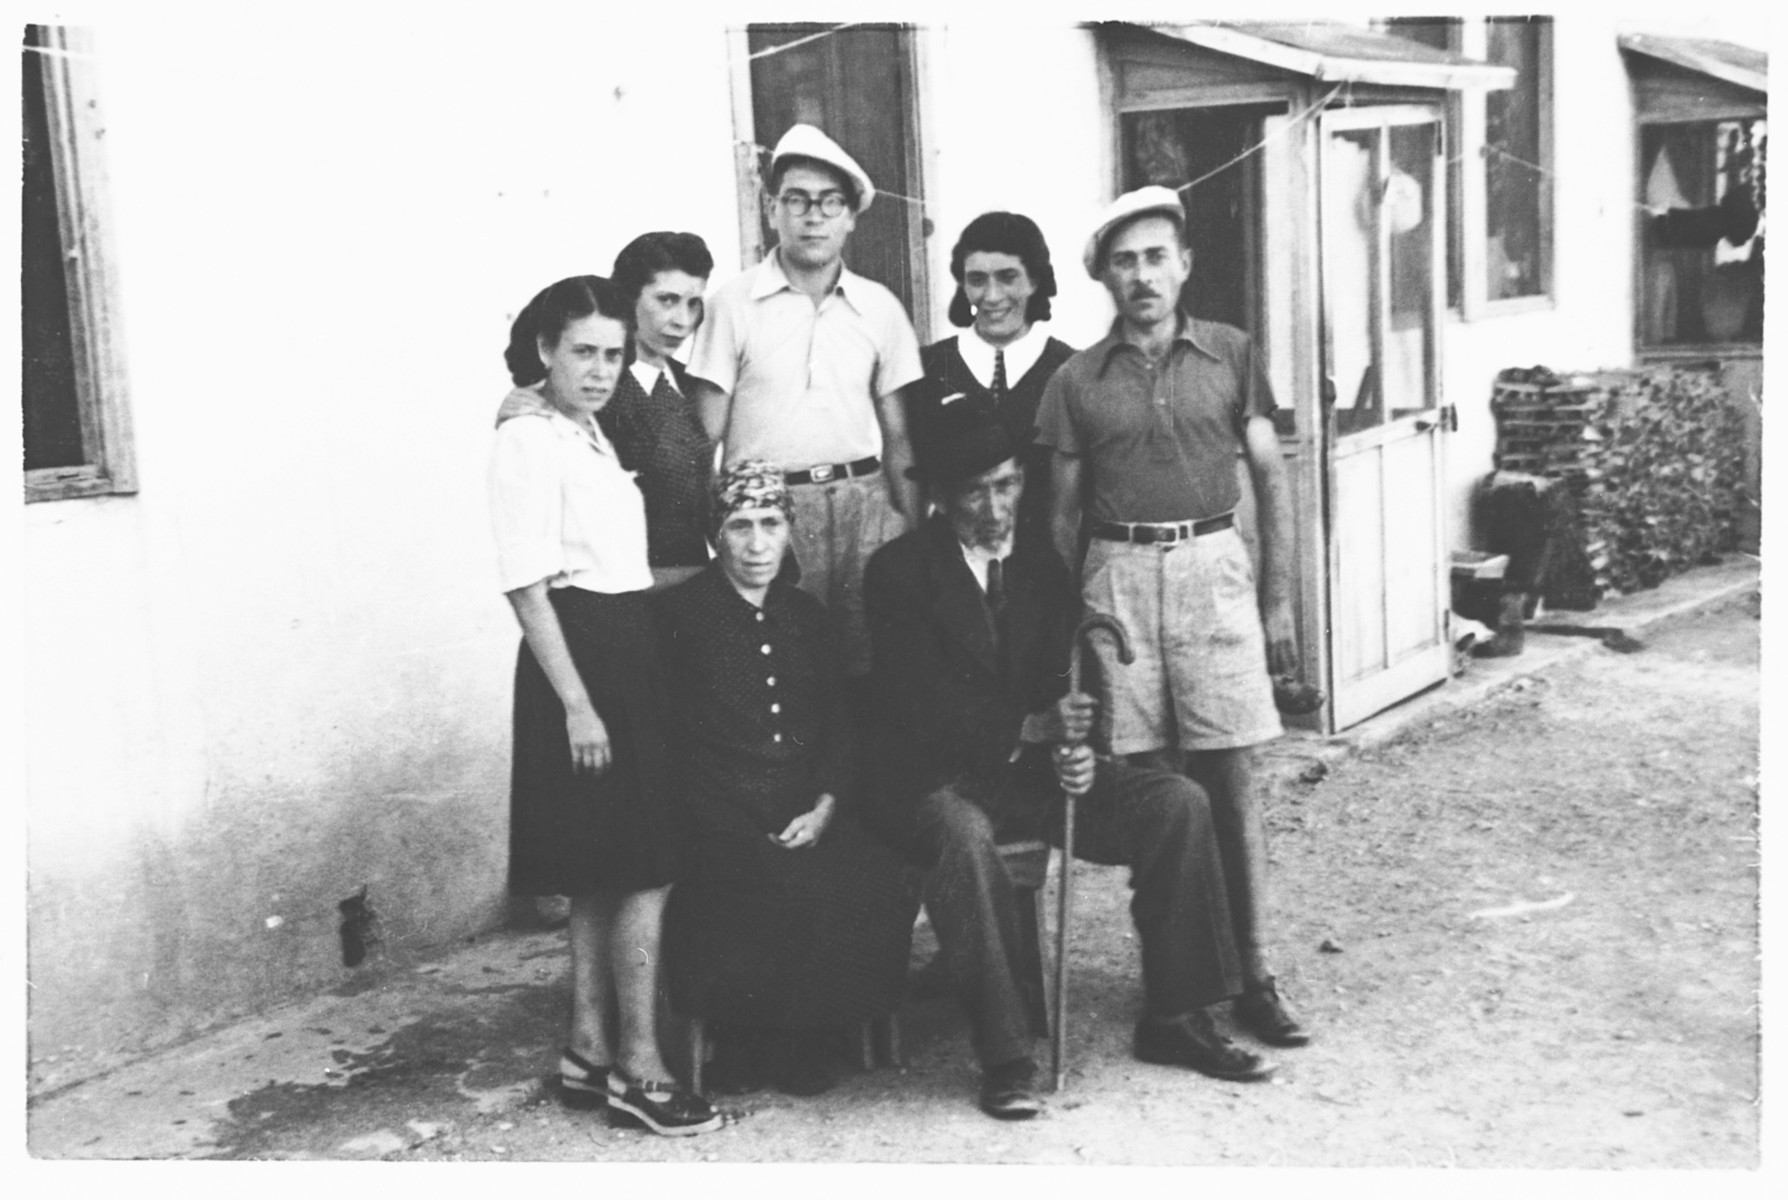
(1524, 937)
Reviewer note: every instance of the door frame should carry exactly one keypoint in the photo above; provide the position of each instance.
(1394, 682)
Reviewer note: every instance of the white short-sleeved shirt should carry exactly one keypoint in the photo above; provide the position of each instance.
(804, 378)
(564, 510)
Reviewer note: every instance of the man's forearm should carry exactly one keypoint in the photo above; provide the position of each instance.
(1272, 501)
(1064, 511)
(713, 406)
(897, 453)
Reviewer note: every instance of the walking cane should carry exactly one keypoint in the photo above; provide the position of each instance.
(1058, 1048)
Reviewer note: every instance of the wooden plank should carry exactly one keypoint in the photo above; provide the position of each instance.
(1358, 602)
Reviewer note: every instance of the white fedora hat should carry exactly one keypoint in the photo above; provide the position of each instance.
(804, 141)
(1151, 199)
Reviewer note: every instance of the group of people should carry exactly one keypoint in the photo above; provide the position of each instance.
(796, 622)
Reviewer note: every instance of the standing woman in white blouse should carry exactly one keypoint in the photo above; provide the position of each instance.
(590, 803)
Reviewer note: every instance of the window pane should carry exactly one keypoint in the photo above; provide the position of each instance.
(1350, 276)
(1408, 213)
(1515, 169)
(51, 401)
(1703, 257)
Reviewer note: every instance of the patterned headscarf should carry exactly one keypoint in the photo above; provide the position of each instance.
(753, 483)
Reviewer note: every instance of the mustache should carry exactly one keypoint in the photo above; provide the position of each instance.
(1142, 291)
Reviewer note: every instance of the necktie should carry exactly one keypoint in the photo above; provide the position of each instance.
(999, 375)
(996, 588)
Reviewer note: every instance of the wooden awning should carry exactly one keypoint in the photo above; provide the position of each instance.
(1336, 53)
(1740, 66)
(1695, 79)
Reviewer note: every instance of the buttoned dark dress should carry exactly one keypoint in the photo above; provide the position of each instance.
(754, 934)
(946, 373)
(660, 437)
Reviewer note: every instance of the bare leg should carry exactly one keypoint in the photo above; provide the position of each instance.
(634, 948)
(1227, 776)
(592, 980)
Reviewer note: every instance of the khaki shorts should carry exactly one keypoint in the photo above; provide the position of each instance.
(1199, 681)
(837, 526)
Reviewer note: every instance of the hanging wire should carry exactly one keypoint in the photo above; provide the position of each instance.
(812, 37)
(1297, 119)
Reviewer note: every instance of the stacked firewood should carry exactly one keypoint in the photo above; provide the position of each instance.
(1653, 458)
(1552, 426)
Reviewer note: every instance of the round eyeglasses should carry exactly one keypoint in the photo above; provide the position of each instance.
(830, 204)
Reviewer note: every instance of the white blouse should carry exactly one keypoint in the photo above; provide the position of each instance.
(564, 510)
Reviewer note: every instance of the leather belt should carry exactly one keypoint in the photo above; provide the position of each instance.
(827, 472)
(1146, 533)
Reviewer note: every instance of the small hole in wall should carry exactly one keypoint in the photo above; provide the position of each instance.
(359, 928)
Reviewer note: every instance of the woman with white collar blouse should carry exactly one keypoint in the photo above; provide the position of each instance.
(1004, 357)
(590, 803)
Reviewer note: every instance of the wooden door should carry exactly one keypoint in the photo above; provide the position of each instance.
(1382, 215)
(854, 83)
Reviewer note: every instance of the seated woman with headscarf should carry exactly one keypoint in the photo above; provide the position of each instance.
(788, 920)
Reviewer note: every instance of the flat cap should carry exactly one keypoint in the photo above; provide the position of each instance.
(1152, 199)
(804, 141)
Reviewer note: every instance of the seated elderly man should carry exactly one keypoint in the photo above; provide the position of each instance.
(970, 634)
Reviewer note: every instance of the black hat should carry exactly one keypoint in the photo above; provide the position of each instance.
(960, 442)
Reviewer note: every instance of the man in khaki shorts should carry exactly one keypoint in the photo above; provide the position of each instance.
(1145, 426)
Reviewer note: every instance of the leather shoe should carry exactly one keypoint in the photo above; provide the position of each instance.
(1190, 1040)
(1009, 1091)
(1260, 1011)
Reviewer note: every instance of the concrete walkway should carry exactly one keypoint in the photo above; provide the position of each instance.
(474, 1032)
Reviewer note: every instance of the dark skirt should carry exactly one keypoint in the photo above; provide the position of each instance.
(763, 937)
(576, 834)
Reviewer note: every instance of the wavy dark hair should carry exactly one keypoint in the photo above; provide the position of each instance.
(1004, 233)
(546, 315)
(640, 260)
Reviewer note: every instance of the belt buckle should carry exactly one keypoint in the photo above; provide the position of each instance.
(822, 473)
(1144, 535)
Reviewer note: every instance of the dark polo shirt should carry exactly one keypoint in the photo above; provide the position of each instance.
(1158, 444)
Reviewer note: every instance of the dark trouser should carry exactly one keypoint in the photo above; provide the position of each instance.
(1157, 823)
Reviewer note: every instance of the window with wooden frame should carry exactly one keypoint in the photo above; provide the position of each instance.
(1501, 211)
(77, 439)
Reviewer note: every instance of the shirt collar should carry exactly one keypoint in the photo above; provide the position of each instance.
(647, 376)
(1021, 355)
(977, 557)
(569, 428)
(1109, 345)
(771, 278)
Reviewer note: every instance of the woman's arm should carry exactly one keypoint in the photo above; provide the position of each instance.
(540, 626)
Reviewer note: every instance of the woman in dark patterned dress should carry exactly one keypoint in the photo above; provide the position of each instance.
(654, 425)
(788, 920)
(1003, 357)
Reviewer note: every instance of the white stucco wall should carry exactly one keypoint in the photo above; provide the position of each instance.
(1589, 325)
(282, 670)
